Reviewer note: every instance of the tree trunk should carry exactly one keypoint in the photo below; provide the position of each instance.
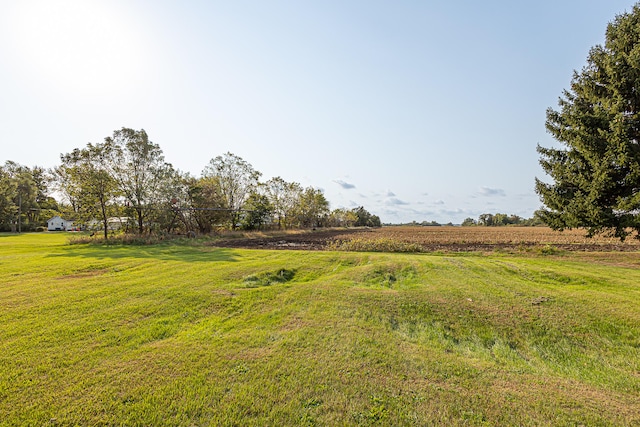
(139, 214)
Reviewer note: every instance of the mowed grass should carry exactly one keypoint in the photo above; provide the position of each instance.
(198, 336)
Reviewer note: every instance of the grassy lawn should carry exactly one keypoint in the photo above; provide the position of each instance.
(197, 336)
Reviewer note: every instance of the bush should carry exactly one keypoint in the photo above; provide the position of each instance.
(40, 229)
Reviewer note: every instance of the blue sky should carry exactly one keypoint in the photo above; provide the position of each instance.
(417, 110)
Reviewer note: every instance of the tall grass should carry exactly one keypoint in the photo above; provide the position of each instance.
(381, 244)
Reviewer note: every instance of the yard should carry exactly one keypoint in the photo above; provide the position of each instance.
(192, 334)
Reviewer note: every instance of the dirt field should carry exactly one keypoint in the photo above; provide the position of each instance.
(431, 239)
(309, 240)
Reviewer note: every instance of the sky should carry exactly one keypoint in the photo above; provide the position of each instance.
(417, 110)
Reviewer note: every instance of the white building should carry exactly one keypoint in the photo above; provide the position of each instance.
(117, 222)
(58, 224)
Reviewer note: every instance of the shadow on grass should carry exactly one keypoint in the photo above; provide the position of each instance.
(23, 234)
(164, 253)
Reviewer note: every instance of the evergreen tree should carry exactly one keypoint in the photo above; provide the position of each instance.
(596, 174)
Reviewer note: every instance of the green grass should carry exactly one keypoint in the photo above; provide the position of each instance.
(193, 336)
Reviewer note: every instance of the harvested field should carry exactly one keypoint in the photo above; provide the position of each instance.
(433, 239)
(311, 240)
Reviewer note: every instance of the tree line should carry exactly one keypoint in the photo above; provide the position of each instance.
(485, 219)
(501, 219)
(126, 176)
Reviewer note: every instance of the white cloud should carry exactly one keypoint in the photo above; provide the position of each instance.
(492, 192)
(392, 201)
(345, 185)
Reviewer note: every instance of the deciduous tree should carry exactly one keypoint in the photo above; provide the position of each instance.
(313, 208)
(283, 198)
(258, 211)
(237, 178)
(141, 172)
(365, 218)
(469, 222)
(23, 190)
(342, 217)
(8, 192)
(86, 177)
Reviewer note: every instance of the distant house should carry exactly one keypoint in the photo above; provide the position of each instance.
(117, 222)
(58, 224)
(114, 223)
